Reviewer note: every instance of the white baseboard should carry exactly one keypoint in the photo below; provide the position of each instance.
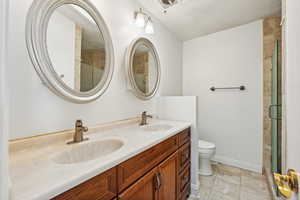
(195, 191)
(238, 163)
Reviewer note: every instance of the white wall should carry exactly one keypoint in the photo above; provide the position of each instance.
(4, 105)
(293, 83)
(230, 119)
(61, 47)
(183, 109)
(36, 110)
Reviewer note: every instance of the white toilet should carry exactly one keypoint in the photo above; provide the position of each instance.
(206, 152)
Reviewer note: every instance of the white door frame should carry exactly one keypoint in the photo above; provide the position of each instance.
(291, 136)
(4, 106)
(283, 90)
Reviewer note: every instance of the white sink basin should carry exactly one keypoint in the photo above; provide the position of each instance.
(157, 127)
(84, 152)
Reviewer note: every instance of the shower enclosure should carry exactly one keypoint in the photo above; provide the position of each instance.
(275, 110)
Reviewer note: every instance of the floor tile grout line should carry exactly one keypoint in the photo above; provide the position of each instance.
(240, 186)
(217, 174)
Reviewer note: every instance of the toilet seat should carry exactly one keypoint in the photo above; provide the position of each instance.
(205, 145)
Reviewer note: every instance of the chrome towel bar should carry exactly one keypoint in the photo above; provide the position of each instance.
(228, 88)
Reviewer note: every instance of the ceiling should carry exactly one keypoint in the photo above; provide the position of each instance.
(189, 19)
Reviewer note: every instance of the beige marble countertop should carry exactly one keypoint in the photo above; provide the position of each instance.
(35, 176)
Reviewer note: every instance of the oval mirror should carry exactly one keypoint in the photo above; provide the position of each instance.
(143, 68)
(71, 48)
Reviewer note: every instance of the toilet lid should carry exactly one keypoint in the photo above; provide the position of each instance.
(206, 145)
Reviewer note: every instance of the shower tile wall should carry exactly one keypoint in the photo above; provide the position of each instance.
(271, 33)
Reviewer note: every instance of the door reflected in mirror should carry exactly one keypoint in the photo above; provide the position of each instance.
(144, 68)
(76, 48)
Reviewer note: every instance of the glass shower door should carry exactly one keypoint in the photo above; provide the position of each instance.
(275, 109)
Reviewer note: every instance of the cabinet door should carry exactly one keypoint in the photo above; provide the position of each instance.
(167, 172)
(144, 189)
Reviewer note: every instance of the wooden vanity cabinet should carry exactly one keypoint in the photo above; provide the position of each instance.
(159, 173)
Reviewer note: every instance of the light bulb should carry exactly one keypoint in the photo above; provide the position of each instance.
(149, 27)
(140, 20)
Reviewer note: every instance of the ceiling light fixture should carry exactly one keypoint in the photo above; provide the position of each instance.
(149, 26)
(142, 20)
(168, 3)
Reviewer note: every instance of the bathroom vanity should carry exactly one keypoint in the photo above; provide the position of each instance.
(150, 162)
(161, 172)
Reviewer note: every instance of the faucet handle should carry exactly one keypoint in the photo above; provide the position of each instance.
(85, 129)
(79, 124)
(145, 114)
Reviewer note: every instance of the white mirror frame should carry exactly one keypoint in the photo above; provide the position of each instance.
(36, 33)
(129, 72)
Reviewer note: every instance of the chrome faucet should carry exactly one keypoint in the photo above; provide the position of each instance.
(144, 118)
(78, 135)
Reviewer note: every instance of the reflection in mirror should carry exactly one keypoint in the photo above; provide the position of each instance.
(76, 48)
(144, 68)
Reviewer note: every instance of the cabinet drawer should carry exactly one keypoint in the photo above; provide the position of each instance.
(184, 156)
(184, 136)
(186, 193)
(134, 168)
(101, 187)
(184, 180)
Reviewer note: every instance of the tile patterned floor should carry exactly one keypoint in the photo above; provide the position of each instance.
(231, 183)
